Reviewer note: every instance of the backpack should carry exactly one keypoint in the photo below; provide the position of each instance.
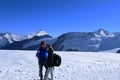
(56, 60)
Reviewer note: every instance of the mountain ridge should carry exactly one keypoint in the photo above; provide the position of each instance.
(9, 38)
(71, 41)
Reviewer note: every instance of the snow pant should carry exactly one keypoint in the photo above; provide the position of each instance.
(41, 64)
(49, 70)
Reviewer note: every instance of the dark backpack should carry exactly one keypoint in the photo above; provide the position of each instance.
(56, 60)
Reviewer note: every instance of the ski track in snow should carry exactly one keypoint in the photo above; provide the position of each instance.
(22, 65)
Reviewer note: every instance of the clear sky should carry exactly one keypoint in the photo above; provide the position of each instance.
(59, 16)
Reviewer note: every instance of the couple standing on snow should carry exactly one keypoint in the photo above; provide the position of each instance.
(45, 58)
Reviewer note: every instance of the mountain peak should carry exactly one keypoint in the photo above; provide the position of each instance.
(40, 33)
(103, 33)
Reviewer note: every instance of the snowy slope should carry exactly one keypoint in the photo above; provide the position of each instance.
(8, 38)
(39, 33)
(49, 41)
(112, 50)
(28, 44)
(98, 40)
(12, 37)
(110, 43)
(103, 33)
(87, 41)
(22, 65)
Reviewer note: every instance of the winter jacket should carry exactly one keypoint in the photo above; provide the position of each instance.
(42, 56)
(50, 59)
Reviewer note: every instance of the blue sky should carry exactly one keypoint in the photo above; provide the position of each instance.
(59, 16)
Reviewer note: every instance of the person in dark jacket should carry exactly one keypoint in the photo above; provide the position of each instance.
(49, 63)
(42, 58)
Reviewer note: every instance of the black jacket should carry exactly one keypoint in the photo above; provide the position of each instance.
(50, 59)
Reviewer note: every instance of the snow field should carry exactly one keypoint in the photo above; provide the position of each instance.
(22, 65)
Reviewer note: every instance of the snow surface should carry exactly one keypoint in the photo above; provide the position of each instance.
(22, 65)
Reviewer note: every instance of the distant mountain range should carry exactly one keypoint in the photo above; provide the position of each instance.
(25, 42)
(9, 38)
(73, 41)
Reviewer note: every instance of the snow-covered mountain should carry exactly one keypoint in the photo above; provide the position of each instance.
(117, 33)
(39, 33)
(28, 44)
(111, 50)
(9, 38)
(76, 41)
(99, 40)
(91, 41)
(103, 33)
(34, 44)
